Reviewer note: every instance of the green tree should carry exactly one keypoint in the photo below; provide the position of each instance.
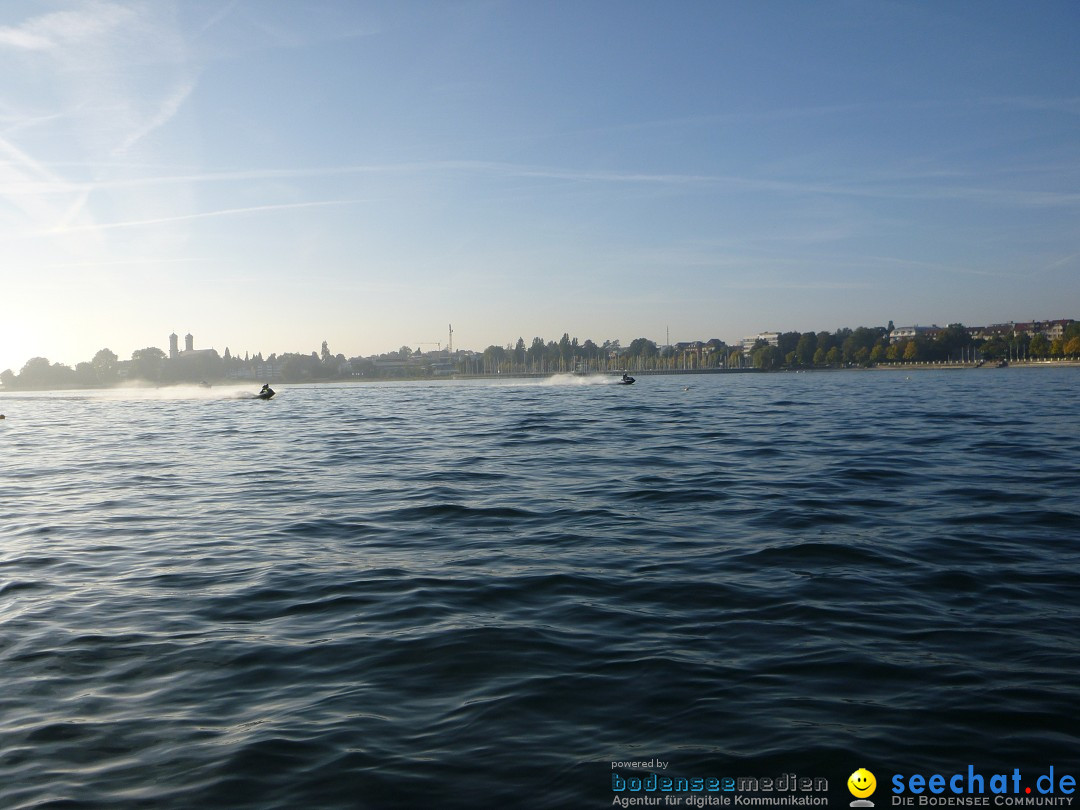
(105, 367)
(861, 338)
(146, 364)
(494, 357)
(298, 367)
(551, 355)
(766, 357)
(39, 373)
(805, 349)
(62, 376)
(911, 351)
(787, 342)
(536, 354)
(1072, 347)
(1039, 346)
(994, 349)
(819, 356)
(848, 349)
(591, 353)
(950, 343)
(566, 352)
(834, 356)
(85, 374)
(35, 373)
(643, 348)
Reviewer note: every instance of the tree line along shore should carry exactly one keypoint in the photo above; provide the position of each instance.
(844, 348)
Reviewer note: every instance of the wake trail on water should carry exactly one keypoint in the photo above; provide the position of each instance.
(141, 393)
(558, 381)
(577, 379)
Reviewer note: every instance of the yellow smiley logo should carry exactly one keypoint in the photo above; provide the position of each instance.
(861, 783)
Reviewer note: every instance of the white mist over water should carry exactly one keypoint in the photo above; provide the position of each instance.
(577, 379)
(143, 393)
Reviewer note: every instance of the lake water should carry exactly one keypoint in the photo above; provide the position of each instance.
(473, 594)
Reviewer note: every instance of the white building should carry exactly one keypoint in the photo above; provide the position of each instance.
(909, 332)
(772, 338)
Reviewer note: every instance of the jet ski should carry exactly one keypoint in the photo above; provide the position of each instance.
(266, 393)
(627, 380)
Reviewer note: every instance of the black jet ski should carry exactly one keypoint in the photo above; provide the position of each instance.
(627, 380)
(266, 393)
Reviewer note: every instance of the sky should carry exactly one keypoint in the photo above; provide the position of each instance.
(269, 175)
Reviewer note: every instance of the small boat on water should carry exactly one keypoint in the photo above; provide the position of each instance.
(627, 380)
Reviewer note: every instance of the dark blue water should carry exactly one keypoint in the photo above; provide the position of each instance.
(481, 595)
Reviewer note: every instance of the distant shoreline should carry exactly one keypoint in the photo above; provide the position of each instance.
(905, 367)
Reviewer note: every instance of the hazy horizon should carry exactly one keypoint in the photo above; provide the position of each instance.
(366, 174)
(436, 346)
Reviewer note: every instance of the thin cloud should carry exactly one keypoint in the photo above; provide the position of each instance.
(796, 285)
(89, 52)
(62, 28)
(1058, 263)
(893, 261)
(138, 262)
(896, 186)
(24, 40)
(1065, 105)
(22, 171)
(218, 16)
(168, 108)
(136, 223)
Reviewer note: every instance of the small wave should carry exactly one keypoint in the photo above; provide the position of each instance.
(821, 553)
(325, 528)
(459, 513)
(673, 496)
(1030, 518)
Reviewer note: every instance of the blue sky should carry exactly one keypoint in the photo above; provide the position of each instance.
(268, 175)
